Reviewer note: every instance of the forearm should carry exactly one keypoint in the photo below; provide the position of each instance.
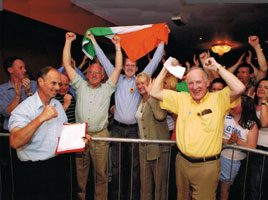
(264, 116)
(233, 68)
(158, 113)
(66, 60)
(153, 64)
(261, 58)
(244, 144)
(13, 104)
(21, 136)
(105, 62)
(157, 87)
(235, 85)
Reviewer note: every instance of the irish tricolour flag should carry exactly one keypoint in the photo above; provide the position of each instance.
(136, 41)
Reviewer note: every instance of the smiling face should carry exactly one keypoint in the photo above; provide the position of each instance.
(216, 87)
(262, 89)
(197, 83)
(17, 70)
(95, 75)
(141, 82)
(243, 75)
(49, 85)
(130, 68)
(64, 85)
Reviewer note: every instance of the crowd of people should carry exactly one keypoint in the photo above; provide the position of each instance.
(210, 106)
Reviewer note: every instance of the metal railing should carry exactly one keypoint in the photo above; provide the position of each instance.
(143, 141)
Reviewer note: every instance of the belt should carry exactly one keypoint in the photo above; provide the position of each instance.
(124, 125)
(197, 160)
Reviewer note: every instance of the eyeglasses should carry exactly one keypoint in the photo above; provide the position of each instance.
(94, 72)
(130, 65)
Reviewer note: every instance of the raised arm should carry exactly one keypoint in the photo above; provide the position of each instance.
(118, 60)
(235, 85)
(66, 56)
(238, 62)
(104, 61)
(157, 85)
(254, 42)
(153, 64)
(21, 136)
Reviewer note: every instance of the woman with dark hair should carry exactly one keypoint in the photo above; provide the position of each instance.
(241, 128)
(256, 173)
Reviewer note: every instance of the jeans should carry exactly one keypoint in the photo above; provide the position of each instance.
(125, 168)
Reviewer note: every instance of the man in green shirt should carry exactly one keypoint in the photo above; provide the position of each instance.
(93, 99)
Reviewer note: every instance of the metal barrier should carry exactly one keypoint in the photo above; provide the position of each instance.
(169, 142)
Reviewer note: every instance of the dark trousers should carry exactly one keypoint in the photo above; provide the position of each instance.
(125, 168)
(42, 180)
(258, 176)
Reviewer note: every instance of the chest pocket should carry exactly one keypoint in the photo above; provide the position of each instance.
(208, 121)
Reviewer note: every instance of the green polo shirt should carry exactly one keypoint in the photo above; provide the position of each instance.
(92, 104)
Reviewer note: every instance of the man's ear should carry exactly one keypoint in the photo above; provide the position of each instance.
(10, 70)
(40, 81)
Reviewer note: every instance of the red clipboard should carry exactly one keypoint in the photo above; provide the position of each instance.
(71, 138)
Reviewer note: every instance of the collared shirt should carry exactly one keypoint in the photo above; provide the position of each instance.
(7, 94)
(126, 95)
(44, 141)
(199, 127)
(92, 104)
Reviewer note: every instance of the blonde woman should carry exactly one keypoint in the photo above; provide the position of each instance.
(153, 157)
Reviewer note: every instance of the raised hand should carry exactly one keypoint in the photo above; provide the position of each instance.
(196, 61)
(48, 113)
(211, 64)
(70, 36)
(67, 101)
(253, 40)
(249, 57)
(203, 56)
(116, 40)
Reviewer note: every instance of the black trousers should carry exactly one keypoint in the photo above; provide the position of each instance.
(42, 180)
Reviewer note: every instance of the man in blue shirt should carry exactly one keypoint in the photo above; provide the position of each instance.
(17, 89)
(35, 126)
(125, 123)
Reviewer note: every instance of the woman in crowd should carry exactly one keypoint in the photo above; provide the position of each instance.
(256, 160)
(241, 128)
(153, 157)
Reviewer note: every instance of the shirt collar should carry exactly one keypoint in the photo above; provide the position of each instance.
(202, 100)
(39, 103)
(133, 77)
(9, 85)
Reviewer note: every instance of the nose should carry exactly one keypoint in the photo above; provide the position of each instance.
(57, 87)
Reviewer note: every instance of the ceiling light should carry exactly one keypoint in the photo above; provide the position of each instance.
(221, 48)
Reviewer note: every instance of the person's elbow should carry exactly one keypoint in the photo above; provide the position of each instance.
(13, 143)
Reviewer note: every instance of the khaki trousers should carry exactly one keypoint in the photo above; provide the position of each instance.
(154, 174)
(97, 152)
(197, 180)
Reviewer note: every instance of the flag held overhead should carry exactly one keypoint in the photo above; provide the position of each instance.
(136, 41)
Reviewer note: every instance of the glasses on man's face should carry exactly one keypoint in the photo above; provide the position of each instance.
(130, 65)
(94, 72)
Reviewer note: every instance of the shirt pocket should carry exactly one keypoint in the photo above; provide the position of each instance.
(209, 122)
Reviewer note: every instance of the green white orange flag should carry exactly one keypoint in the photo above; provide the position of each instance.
(136, 41)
